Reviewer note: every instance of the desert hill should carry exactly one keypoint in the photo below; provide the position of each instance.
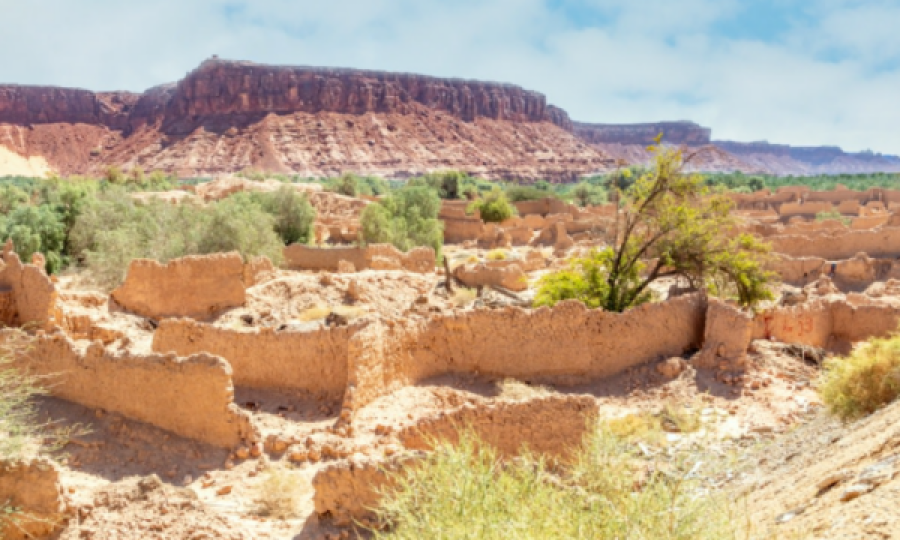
(226, 116)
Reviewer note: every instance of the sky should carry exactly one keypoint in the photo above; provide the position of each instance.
(800, 72)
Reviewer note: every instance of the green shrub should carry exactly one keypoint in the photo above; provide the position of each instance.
(864, 381)
(407, 218)
(834, 214)
(494, 207)
(585, 280)
(294, 215)
(465, 491)
(347, 184)
(527, 193)
(37, 229)
(113, 229)
(586, 194)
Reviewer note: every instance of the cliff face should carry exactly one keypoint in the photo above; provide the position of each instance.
(800, 160)
(687, 133)
(48, 105)
(220, 87)
(226, 116)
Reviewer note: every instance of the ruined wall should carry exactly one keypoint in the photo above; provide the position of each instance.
(797, 271)
(832, 325)
(376, 257)
(314, 361)
(463, 229)
(198, 286)
(347, 491)
(192, 397)
(551, 426)
(884, 242)
(566, 344)
(554, 426)
(32, 487)
(29, 297)
(506, 274)
(727, 335)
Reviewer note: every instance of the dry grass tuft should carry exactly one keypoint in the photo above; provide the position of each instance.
(463, 297)
(518, 390)
(497, 255)
(863, 382)
(280, 494)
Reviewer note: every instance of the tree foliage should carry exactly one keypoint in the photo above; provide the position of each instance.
(407, 218)
(494, 206)
(672, 220)
(586, 194)
(294, 215)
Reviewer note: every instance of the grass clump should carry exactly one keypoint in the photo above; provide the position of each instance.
(518, 390)
(864, 381)
(466, 491)
(497, 255)
(280, 494)
(463, 297)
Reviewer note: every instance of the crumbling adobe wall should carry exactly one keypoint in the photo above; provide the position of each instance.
(348, 491)
(884, 242)
(726, 337)
(551, 426)
(462, 229)
(554, 426)
(197, 286)
(808, 209)
(506, 274)
(797, 271)
(33, 488)
(314, 361)
(192, 397)
(28, 297)
(565, 344)
(376, 257)
(832, 325)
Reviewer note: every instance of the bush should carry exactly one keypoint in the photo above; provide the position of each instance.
(585, 280)
(586, 194)
(466, 492)
(112, 230)
(37, 229)
(526, 193)
(863, 382)
(294, 215)
(347, 184)
(494, 207)
(407, 218)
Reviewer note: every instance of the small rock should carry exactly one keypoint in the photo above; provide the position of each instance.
(242, 452)
(832, 480)
(855, 491)
(224, 490)
(671, 368)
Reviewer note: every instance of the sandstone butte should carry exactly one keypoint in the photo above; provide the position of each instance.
(226, 116)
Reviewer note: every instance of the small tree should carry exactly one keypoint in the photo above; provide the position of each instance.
(407, 218)
(494, 206)
(294, 215)
(586, 194)
(672, 220)
(348, 185)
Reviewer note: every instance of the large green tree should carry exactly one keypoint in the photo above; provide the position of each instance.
(668, 224)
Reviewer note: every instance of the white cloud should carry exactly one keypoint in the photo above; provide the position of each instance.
(826, 82)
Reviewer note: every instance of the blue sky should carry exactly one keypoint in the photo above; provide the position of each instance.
(807, 72)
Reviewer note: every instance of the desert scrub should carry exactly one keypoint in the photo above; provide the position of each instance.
(280, 493)
(466, 491)
(864, 381)
(494, 207)
(497, 255)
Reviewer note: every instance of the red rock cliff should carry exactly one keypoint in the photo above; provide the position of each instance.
(49, 105)
(221, 87)
(687, 133)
